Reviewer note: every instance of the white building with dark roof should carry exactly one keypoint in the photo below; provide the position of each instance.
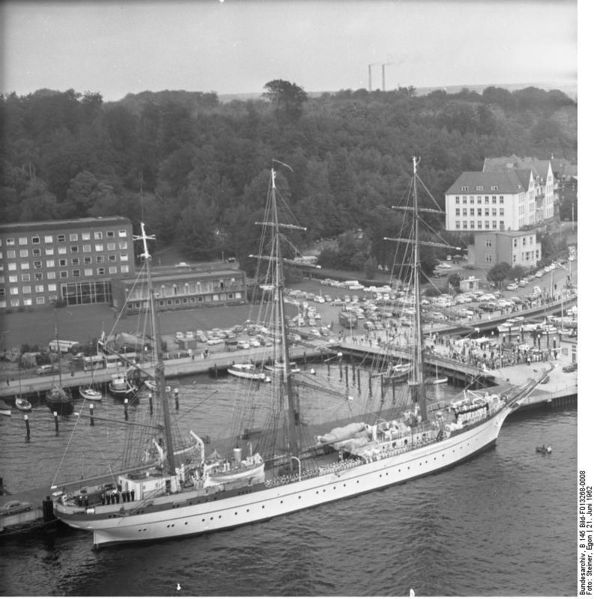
(544, 181)
(503, 200)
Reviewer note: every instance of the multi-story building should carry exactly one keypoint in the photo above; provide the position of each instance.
(181, 287)
(566, 187)
(544, 181)
(491, 201)
(517, 248)
(73, 260)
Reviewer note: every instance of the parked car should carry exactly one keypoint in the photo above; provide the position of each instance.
(570, 367)
(47, 369)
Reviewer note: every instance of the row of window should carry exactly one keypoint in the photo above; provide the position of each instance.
(530, 239)
(479, 199)
(465, 224)
(188, 288)
(62, 250)
(133, 306)
(479, 212)
(532, 255)
(50, 263)
(28, 289)
(27, 301)
(479, 188)
(65, 274)
(61, 237)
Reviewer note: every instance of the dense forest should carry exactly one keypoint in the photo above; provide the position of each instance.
(195, 169)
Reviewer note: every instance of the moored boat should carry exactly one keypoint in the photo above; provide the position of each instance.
(278, 367)
(90, 394)
(248, 371)
(22, 404)
(396, 373)
(120, 387)
(5, 409)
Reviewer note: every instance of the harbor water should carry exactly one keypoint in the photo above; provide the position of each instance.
(502, 523)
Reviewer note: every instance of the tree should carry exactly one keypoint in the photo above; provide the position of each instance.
(454, 281)
(498, 273)
(286, 98)
(370, 267)
(516, 272)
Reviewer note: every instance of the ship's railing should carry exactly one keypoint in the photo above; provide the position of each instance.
(314, 472)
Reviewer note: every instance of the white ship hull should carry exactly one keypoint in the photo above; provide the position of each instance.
(230, 512)
(248, 373)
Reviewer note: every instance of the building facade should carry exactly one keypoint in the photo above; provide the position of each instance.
(544, 182)
(491, 201)
(182, 287)
(72, 260)
(517, 248)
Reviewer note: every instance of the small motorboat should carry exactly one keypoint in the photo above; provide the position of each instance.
(121, 388)
(22, 404)
(544, 449)
(437, 381)
(248, 371)
(90, 394)
(397, 373)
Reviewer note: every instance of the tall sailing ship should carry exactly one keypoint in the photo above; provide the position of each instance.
(176, 489)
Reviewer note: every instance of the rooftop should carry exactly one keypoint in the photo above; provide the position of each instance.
(507, 181)
(70, 223)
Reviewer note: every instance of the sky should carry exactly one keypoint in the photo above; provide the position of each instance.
(237, 46)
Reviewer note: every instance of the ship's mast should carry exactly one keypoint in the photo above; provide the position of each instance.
(293, 416)
(416, 384)
(159, 366)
